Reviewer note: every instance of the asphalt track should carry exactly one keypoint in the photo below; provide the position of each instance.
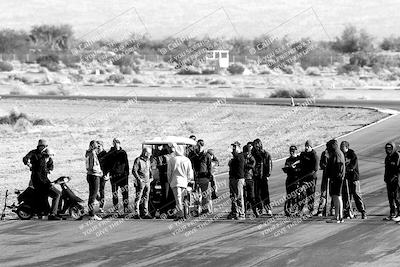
(219, 242)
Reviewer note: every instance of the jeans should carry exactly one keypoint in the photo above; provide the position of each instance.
(262, 194)
(236, 188)
(249, 194)
(100, 196)
(393, 197)
(324, 196)
(179, 200)
(205, 190)
(308, 195)
(94, 182)
(55, 194)
(121, 183)
(355, 192)
(142, 197)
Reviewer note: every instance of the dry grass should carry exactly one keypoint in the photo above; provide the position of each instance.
(75, 123)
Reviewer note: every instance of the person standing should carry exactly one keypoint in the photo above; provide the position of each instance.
(214, 165)
(117, 160)
(351, 185)
(236, 182)
(203, 176)
(322, 208)
(292, 169)
(40, 164)
(335, 170)
(101, 156)
(179, 172)
(308, 180)
(262, 172)
(93, 177)
(249, 164)
(142, 173)
(392, 169)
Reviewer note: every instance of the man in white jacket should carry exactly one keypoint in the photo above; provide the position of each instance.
(179, 171)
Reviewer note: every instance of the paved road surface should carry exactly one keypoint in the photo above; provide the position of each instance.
(310, 242)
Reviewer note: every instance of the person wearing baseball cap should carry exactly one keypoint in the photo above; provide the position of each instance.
(40, 163)
(309, 165)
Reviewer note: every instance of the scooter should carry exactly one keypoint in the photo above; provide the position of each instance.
(31, 203)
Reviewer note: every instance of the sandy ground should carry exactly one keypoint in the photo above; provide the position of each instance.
(75, 123)
(310, 242)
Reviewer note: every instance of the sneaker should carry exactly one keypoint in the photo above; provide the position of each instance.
(269, 212)
(101, 210)
(53, 217)
(179, 218)
(363, 216)
(230, 216)
(396, 219)
(319, 214)
(95, 218)
(389, 218)
(240, 218)
(340, 221)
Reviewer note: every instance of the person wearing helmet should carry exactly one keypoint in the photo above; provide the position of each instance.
(40, 164)
(391, 178)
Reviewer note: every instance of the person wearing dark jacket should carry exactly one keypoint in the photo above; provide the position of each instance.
(236, 182)
(351, 185)
(203, 176)
(101, 153)
(118, 167)
(308, 179)
(392, 170)
(214, 165)
(335, 170)
(262, 172)
(292, 169)
(40, 163)
(322, 208)
(249, 165)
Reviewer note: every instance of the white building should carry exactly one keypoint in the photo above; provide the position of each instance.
(218, 58)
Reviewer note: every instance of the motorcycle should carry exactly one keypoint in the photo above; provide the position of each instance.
(31, 202)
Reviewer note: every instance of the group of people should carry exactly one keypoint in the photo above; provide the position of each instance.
(249, 171)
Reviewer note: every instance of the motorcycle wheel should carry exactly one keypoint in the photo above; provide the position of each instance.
(76, 212)
(24, 212)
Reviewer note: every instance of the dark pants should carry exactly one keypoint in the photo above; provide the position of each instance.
(355, 192)
(120, 183)
(100, 196)
(94, 182)
(324, 196)
(261, 194)
(308, 195)
(393, 197)
(291, 186)
(250, 195)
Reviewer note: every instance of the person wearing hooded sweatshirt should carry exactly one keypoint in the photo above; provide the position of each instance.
(94, 173)
(262, 172)
(308, 179)
(335, 171)
(118, 167)
(100, 155)
(351, 185)
(236, 182)
(40, 163)
(322, 208)
(392, 170)
(179, 172)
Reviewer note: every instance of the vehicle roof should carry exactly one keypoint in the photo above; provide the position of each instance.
(170, 140)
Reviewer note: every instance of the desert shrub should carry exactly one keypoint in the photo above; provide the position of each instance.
(20, 89)
(190, 70)
(235, 69)
(115, 78)
(288, 93)
(217, 81)
(5, 66)
(209, 71)
(244, 95)
(13, 117)
(125, 70)
(136, 80)
(128, 61)
(287, 69)
(49, 61)
(22, 125)
(59, 90)
(313, 71)
(347, 68)
(71, 61)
